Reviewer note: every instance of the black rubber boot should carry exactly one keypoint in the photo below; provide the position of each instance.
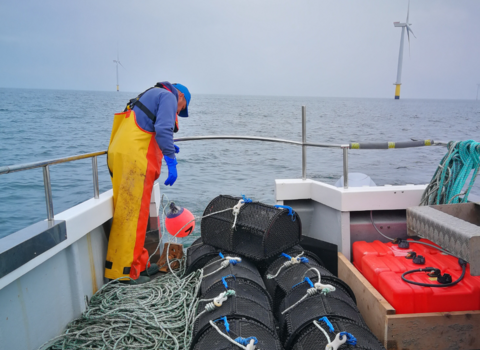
(152, 270)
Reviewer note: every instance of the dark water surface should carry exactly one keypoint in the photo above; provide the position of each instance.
(47, 124)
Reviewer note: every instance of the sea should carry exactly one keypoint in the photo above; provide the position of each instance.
(41, 125)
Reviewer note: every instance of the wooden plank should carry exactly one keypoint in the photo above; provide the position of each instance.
(439, 331)
(373, 307)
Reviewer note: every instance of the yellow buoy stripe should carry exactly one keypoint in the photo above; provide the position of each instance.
(355, 146)
(391, 145)
(428, 142)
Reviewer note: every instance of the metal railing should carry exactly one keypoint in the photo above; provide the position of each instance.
(46, 174)
(345, 147)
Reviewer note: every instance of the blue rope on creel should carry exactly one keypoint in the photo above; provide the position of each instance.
(302, 259)
(290, 211)
(330, 326)
(351, 340)
(245, 199)
(246, 341)
(232, 261)
(306, 279)
(225, 281)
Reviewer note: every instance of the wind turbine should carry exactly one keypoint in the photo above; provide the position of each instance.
(404, 26)
(117, 61)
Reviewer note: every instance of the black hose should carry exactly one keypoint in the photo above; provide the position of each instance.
(462, 263)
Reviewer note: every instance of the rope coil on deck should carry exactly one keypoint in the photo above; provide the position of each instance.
(154, 315)
(446, 186)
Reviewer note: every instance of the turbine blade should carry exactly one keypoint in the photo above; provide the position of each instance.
(120, 64)
(408, 35)
(410, 30)
(408, 11)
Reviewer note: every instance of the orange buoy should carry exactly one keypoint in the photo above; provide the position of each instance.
(177, 217)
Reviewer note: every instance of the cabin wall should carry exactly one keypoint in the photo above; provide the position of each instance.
(324, 223)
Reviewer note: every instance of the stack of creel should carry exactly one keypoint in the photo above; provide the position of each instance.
(234, 309)
(313, 307)
(285, 308)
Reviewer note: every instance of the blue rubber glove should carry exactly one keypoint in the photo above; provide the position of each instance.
(177, 149)
(172, 170)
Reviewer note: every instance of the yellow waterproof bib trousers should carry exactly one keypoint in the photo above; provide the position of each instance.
(134, 161)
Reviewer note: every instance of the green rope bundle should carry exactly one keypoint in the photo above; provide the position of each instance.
(154, 315)
(447, 184)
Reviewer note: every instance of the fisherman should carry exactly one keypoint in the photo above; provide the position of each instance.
(141, 135)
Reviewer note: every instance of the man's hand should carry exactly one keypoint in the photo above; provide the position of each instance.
(177, 149)
(172, 170)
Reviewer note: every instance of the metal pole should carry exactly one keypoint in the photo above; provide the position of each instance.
(48, 192)
(96, 190)
(304, 141)
(345, 167)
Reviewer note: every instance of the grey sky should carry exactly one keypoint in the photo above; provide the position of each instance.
(266, 47)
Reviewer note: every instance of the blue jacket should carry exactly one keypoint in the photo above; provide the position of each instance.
(164, 105)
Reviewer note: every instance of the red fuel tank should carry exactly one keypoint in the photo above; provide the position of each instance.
(383, 264)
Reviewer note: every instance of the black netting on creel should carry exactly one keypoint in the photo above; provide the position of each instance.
(210, 339)
(342, 291)
(240, 305)
(245, 286)
(244, 269)
(261, 231)
(300, 290)
(289, 276)
(312, 338)
(312, 308)
(293, 251)
(198, 254)
(340, 286)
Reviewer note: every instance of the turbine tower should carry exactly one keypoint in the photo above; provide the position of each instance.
(117, 61)
(404, 26)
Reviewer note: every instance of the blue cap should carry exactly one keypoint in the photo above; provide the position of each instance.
(183, 89)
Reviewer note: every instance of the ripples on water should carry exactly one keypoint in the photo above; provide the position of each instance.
(47, 124)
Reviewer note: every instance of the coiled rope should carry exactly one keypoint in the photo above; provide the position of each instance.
(451, 176)
(154, 315)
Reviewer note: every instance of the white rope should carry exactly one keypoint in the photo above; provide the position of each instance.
(228, 338)
(317, 287)
(293, 261)
(215, 302)
(336, 342)
(323, 331)
(225, 263)
(236, 210)
(223, 259)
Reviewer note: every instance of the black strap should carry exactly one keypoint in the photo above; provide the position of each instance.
(145, 110)
(136, 102)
